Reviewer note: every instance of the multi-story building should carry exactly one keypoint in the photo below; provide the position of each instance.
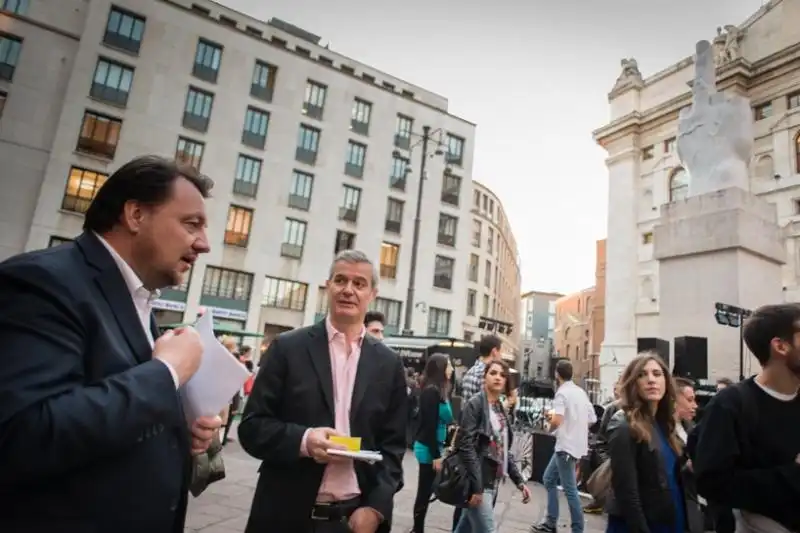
(537, 324)
(311, 152)
(757, 59)
(493, 273)
(573, 333)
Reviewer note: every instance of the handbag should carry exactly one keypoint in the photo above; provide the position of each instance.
(207, 468)
(599, 483)
(451, 483)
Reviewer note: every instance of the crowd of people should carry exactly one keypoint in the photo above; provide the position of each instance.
(94, 437)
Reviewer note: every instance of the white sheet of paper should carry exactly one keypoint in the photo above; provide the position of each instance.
(220, 375)
(363, 455)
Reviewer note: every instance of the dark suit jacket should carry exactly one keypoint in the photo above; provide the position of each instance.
(92, 435)
(293, 392)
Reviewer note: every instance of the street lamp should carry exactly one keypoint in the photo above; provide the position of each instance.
(732, 316)
(422, 140)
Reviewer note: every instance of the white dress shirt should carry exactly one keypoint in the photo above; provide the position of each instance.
(572, 403)
(142, 299)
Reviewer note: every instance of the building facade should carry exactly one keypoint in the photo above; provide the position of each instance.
(493, 273)
(311, 152)
(597, 318)
(759, 59)
(537, 335)
(573, 334)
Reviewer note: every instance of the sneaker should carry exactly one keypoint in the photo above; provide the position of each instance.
(543, 527)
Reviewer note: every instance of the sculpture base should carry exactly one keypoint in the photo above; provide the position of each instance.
(726, 247)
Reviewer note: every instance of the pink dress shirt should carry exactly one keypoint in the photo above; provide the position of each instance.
(339, 481)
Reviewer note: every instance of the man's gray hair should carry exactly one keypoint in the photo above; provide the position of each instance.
(354, 257)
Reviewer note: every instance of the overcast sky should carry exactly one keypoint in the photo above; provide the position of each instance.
(534, 75)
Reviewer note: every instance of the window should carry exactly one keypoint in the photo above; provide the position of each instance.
(344, 241)
(240, 220)
(647, 153)
(124, 30)
(314, 101)
(485, 306)
(294, 238)
(490, 241)
(9, 56)
(99, 135)
(402, 132)
(448, 227)
(356, 153)
(189, 152)
(793, 100)
(443, 272)
(451, 188)
(455, 149)
(389, 256)
(112, 82)
(760, 112)
(351, 199)
(678, 185)
(647, 238)
(669, 145)
(55, 240)
(300, 191)
(256, 123)
(82, 186)
(248, 174)
(359, 122)
(3, 97)
(394, 215)
(472, 297)
(307, 144)
(477, 229)
(487, 274)
(206, 61)
(18, 7)
(263, 85)
(797, 152)
(284, 294)
(438, 322)
(229, 284)
(473, 267)
(476, 199)
(391, 310)
(397, 178)
(197, 112)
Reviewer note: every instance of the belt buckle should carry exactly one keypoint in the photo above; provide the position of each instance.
(315, 516)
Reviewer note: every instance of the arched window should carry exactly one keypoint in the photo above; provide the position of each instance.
(797, 152)
(678, 185)
(765, 167)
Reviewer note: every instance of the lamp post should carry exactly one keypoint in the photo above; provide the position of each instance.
(423, 140)
(733, 316)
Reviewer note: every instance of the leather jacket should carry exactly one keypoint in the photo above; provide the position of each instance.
(640, 493)
(472, 445)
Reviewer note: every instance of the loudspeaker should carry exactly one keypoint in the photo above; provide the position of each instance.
(691, 358)
(544, 444)
(653, 344)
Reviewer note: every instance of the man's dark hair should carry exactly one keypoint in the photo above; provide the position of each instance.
(564, 369)
(147, 179)
(682, 383)
(374, 316)
(725, 381)
(489, 343)
(767, 323)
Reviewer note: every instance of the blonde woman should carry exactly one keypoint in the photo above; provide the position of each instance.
(645, 452)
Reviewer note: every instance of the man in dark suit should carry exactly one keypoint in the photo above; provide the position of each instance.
(92, 434)
(325, 380)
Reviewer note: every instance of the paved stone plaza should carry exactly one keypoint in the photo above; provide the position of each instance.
(223, 508)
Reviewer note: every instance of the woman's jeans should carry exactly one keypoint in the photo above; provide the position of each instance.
(423, 499)
(478, 519)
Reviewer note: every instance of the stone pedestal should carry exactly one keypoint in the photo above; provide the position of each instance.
(723, 246)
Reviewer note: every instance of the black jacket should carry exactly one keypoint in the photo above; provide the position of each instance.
(428, 420)
(472, 444)
(601, 444)
(640, 491)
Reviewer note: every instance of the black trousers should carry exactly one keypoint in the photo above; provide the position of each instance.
(423, 499)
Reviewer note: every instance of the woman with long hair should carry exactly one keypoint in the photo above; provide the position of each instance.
(483, 443)
(645, 453)
(434, 415)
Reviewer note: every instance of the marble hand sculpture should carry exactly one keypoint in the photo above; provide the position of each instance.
(715, 134)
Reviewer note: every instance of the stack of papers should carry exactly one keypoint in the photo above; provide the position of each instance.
(218, 379)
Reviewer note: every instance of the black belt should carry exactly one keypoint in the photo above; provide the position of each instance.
(334, 511)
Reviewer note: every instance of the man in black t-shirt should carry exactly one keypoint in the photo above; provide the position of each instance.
(748, 452)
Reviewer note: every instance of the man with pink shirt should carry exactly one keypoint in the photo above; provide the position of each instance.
(329, 379)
